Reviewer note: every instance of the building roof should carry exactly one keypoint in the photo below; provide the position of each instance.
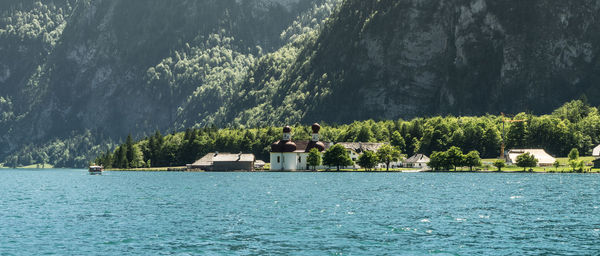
(300, 146)
(539, 154)
(284, 146)
(206, 160)
(418, 158)
(316, 128)
(210, 158)
(596, 151)
(360, 147)
(226, 157)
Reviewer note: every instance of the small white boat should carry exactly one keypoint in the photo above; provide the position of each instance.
(94, 169)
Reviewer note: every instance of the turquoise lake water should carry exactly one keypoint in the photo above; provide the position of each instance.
(68, 212)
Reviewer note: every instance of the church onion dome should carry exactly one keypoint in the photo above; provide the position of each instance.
(288, 146)
(275, 147)
(315, 144)
(316, 128)
(287, 129)
(283, 146)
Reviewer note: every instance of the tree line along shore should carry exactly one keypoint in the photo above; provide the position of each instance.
(575, 125)
(452, 160)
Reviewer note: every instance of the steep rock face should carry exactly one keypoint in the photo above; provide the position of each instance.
(390, 59)
(29, 31)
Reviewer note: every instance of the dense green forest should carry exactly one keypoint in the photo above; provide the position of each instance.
(79, 71)
(574, 125)
(79, 75)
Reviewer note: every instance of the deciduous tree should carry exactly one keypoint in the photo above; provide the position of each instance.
(387, 154)
(499, 164)
(526, 160)
(368, 160)
(455, 157)
(337, 156)
(314, 158)
(472, 159)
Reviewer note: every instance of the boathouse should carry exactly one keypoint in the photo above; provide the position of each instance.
(222, 162)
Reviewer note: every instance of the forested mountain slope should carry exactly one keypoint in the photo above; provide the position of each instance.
(76, 75)
(103, 69)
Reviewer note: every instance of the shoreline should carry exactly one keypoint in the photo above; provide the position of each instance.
(345, 171)
(183, 169)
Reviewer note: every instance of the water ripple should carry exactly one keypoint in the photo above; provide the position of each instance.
(67, 212)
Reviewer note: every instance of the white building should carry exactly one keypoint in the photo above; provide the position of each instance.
(596, 151)
(417, 161)
(544, 159)
(355, 149)
(289, 155)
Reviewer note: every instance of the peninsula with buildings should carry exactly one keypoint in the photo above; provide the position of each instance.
(550, 143)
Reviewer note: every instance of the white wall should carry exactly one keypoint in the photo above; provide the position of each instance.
(302, 164)
(288, 161)
(276, 165)
(596, 151)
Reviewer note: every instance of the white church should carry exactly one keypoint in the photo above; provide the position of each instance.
(289, 155)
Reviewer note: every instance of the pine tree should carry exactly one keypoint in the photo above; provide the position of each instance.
(123, 161)
(108, 160)
(129, 149)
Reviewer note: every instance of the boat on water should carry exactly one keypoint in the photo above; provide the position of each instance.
(94, 169)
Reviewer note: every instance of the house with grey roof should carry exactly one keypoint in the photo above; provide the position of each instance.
(417, 161)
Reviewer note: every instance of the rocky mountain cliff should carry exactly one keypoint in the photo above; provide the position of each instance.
(401, 59)
(97, 70)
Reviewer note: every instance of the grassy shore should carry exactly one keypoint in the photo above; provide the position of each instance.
(504, 170)
(33, 166)
(154, 169)
(373, 170)
(562, 160)
(508, 169)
